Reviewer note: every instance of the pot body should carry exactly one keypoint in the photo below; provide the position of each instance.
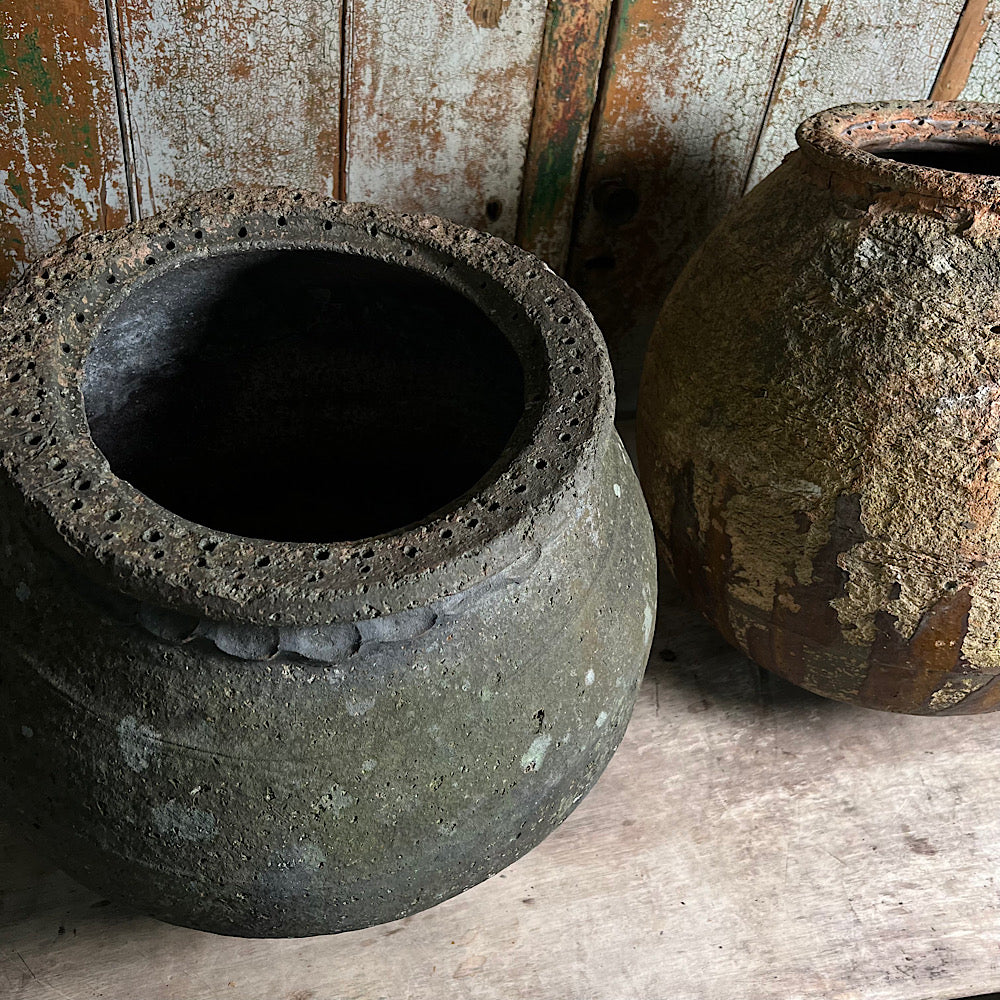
(320, 754)
(819, 418)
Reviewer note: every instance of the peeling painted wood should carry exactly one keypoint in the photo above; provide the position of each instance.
(984, 78)
(747, 840)
(685, 93)
(570, 65)
(837, 53)
(439, 106)
(220, 91)
(957, 65)
(60, 142)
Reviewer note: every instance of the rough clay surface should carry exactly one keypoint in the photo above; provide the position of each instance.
(261, 746)
(819, 420)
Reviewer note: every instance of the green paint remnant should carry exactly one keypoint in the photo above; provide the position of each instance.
(5, 56)
(19, 192)
(31, 63)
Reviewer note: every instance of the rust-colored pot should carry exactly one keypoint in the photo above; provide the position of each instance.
(819, 416)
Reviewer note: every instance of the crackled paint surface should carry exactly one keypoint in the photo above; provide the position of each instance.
(685, 92)
(61, 162)
(220, 92)
(439, 101)
(894, 51)
(984, 80)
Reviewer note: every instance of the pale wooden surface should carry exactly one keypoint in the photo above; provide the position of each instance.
(219, 91)
(438, 105)
(837, 53)
(749, 840)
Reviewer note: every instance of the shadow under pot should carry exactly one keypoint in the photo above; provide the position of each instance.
(328, 585)
(819, 421)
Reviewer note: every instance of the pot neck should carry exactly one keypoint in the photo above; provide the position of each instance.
(943, 150)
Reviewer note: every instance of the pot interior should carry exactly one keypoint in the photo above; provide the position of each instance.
(965, 156)
(301, 394)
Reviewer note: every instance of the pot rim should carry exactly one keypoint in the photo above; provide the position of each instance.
(106, 527)
(840, 139)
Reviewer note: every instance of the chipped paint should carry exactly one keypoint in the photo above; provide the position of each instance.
(222, 92)
(684, 94)
(61, 164)
(439, 109)
(486, 13)
(896, 49)
(568, 72)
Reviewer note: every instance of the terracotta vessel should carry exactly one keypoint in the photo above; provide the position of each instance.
(819, 422)
(327, 584)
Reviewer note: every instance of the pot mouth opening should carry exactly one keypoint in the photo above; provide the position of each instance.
(299, 394)
(941, 149)
(961, 156)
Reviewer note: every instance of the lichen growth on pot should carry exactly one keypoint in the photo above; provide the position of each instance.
(820, 412)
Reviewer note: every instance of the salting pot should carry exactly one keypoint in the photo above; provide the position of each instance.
(216, 708)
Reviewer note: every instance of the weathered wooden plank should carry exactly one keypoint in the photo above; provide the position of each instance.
(748, 840)
(60, 140)
(984, 79)
(957, 65)
(439, 98)
(568, 74)
(837, 53)
(684, 96)
(220, 91)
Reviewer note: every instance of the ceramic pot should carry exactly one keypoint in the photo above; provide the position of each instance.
(327, 584)
(819, 422)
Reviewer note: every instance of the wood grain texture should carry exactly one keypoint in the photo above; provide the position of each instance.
(568, 73)
(439, 106)
(748, 840)
(684, 95)
(220, 91)
(60, 142)
(984, 78)
(839, 53)
(957, 65)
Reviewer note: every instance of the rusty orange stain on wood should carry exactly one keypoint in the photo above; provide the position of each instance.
(60, 145)
(438, 111)
(486, 13)
(570, 65)
(673, 142)
(221, 92)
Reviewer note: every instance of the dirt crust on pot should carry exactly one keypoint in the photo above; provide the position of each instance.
(819, 423)
(281, 656)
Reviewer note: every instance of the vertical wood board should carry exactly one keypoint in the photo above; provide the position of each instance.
(685, 92)
(957, 64)
(568, 74)
(60, 142)
(984, 80)
(439, 97)
(220, 91)
(839, 53)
